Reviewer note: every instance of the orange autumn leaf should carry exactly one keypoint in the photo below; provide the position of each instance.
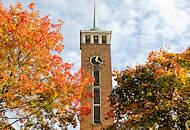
(34, 80)
(156, 93)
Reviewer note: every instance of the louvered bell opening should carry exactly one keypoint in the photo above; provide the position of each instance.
(104, 39)
(87, 37)
(95, 39)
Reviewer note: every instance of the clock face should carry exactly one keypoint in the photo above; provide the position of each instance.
(96, 60)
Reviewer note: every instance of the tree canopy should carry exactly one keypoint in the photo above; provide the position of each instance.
(154, 94)
(35, 83)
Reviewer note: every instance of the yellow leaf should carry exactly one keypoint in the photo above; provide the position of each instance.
(55, 96)
(6, 39)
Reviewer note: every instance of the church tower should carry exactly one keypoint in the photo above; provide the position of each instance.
(96, 58)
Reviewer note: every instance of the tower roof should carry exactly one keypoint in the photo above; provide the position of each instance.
(95, 24)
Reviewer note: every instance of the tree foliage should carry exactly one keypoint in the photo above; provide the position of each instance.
(156, 93)
(34, 82)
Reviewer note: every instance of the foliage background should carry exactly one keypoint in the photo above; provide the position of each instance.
(138, 26)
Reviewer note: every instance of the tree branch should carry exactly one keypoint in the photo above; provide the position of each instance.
(29, 115)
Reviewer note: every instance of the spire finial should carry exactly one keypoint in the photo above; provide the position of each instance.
(95, 17)
(95, 26)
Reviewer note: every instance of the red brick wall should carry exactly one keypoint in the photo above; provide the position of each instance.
(102, 50)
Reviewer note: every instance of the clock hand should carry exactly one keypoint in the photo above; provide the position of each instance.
(96, 60)
(100, 62)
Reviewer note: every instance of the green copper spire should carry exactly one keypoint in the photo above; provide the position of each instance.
(95, 26)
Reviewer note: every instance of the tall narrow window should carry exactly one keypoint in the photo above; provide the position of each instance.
(97, 98)
(96, 95)
(104, 39)
(97, 114)
(87, 38)
(96, 76)
(95, 39)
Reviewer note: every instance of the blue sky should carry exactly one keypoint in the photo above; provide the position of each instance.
(138, 26)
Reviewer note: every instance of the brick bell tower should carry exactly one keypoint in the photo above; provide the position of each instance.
(96, 58)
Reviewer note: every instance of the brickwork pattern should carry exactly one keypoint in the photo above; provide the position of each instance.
(88, 51)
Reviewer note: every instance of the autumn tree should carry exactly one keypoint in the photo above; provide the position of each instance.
(34, 82)
(154, 94)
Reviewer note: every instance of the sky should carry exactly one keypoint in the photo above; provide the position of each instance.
(138, 26)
